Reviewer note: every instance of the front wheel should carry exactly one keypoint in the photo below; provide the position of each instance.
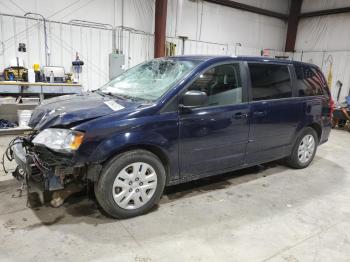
(304, 149)
(130, 184)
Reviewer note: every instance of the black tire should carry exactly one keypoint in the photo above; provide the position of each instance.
(341, 123)
(293, 160)
(104, 186)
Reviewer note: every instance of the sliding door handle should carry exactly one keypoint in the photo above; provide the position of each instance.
(259, 114)
(240, 115)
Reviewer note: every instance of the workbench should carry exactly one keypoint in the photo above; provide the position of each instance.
(42, 89)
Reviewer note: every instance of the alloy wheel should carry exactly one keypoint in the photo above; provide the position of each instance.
(306, 149)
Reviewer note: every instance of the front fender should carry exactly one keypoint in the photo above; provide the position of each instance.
(162, 136)
(118, 142)
(105, 137)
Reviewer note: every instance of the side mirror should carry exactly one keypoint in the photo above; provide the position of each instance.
(193, 98)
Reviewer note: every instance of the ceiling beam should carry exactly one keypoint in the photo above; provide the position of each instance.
(160, 28)
(293, 21)
(249, 8)
(325, 12)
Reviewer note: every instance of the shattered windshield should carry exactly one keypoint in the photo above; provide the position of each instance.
(150, 80)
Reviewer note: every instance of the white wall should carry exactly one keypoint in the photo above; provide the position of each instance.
(313, 5)
(138, 13)
(203, 21)
(325, 39)
(211, 28)
(93, 45)
(324, 33)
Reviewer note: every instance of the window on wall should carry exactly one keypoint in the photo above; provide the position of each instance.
(222, 84)
(310, 81)
(270, 81)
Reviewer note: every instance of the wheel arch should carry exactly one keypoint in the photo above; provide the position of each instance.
(151, 148)
(317, 127)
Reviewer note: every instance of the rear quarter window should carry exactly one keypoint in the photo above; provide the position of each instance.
(310, 81)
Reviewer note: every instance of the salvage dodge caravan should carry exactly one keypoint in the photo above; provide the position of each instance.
(176, 119)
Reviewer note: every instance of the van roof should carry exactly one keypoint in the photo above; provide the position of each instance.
(241, 58)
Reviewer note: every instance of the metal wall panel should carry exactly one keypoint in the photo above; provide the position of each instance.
(93, 46)
(64, 40)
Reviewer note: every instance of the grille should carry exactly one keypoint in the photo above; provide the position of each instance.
(50, 158)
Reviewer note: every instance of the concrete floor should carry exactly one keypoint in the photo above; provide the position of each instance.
(271, 214)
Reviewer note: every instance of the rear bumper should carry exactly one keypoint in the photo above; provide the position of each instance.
(325, 134)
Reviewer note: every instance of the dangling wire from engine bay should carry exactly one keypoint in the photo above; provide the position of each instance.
(19, 173)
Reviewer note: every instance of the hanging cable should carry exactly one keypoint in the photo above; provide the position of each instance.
(47, 52)
(201, 22)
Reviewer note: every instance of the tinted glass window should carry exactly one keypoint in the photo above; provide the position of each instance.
(325, 88)
(222, 85)
(270, 81)
(310, 81)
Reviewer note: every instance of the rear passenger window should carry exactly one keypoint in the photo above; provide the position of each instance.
(222, 84)
(270, 81)
(310, 81)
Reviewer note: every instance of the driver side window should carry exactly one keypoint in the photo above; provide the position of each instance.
(222, 84)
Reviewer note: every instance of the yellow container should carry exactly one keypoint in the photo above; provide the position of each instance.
(36, 67)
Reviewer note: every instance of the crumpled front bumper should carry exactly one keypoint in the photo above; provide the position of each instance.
(20, 156)
(45, 171)
(36, 188)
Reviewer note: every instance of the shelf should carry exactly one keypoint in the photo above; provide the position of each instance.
(40, 89)
(14, 131)
(18, 83)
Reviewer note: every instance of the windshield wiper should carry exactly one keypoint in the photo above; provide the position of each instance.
(98, 91)
(121, 97)
(109, 94)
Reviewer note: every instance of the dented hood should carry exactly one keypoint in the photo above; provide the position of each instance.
(70, 109)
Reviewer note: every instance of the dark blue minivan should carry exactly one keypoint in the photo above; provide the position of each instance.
(175, 119)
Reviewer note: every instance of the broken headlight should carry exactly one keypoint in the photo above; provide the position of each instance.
(61, 140)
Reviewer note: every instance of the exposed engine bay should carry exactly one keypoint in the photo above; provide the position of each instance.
(43, 171)
(48, 157)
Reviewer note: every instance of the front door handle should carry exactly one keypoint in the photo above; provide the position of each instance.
(259, 114)
(240, 115)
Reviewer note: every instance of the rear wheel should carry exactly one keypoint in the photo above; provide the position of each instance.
(341, 123)
(130, 184)
(304, 149)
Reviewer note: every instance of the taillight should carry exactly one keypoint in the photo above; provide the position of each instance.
(331, 107)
